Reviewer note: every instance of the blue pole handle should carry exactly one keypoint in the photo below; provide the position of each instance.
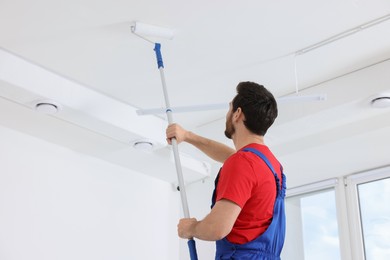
(192, 248)
(157, 49)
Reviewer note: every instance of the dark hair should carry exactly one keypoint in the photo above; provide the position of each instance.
(258, 105)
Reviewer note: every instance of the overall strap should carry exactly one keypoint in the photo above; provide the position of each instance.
(265, 159)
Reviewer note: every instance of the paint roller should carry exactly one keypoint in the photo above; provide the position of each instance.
(144, 31)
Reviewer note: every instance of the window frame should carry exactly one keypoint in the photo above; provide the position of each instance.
(353, 206)
(347, 207)
(323, 186)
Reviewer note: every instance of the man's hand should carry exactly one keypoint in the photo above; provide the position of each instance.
(213, 149)
(177, 132)
(186, 227)
(215, 226)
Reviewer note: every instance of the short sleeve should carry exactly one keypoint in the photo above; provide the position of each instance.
(236, 180)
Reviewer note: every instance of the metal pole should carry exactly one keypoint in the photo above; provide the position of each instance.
(175, 149)
(183, 195)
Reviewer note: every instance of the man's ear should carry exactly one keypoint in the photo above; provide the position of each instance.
(237, 114)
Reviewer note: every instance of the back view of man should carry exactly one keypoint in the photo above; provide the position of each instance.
(247, 218)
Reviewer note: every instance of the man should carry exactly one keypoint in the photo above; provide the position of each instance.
(247, 218)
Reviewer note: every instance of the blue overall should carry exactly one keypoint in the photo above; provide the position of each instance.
(268, 245)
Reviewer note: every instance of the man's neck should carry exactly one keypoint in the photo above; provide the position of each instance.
(241, 140)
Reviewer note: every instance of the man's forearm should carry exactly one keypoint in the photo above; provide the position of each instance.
(215, 150)
(208, 231)
(215, 226)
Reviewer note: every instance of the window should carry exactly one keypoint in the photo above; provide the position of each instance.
(368, 195)
(374, 206)
(346, 218)
(312, 227)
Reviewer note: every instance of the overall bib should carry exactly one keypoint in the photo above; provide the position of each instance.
(268, 245)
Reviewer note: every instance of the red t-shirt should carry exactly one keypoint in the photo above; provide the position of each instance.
(246, 180)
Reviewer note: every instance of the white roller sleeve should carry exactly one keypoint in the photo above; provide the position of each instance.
(151, 30)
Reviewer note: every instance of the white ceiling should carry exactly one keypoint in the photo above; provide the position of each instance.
(82, 55)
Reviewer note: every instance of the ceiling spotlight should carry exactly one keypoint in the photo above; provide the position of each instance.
(381, 101)
(143, 145)
(49, 108)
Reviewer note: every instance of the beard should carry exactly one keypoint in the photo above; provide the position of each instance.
(230, 129)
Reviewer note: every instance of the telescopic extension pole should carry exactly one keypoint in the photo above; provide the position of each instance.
(191, 242)
(139, 28)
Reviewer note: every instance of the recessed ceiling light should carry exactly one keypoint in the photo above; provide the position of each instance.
(49, 108)
(143, 145)
(381, 101)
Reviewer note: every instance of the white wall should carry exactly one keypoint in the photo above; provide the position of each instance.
(59, 204)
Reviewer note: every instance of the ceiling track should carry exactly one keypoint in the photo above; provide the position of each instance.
(343, 34)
